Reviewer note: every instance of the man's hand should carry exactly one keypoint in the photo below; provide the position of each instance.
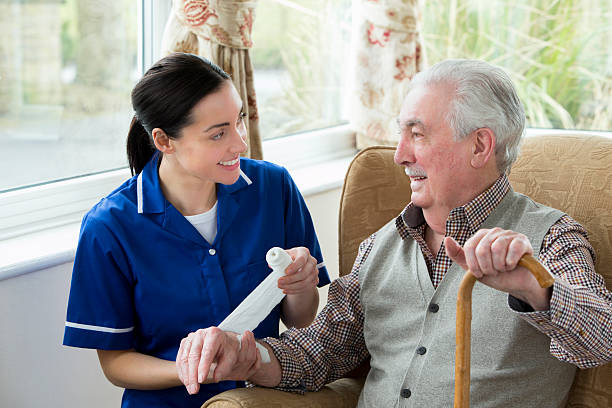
(199, 352)
(302, 275)
(492, 256)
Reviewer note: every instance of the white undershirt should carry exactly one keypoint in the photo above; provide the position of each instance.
(205, 223)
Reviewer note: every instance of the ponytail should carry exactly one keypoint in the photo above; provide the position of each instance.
(139, 147)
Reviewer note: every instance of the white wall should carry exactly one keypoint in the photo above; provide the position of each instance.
(37, 371)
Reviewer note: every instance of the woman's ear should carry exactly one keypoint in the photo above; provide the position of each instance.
(483, 148)
(162, 142)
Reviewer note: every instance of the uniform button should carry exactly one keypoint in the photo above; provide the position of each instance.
(433, 308)
(212, 251)
(421, 350)
(405, 393)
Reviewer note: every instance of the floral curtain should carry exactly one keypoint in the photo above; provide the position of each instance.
(387, 53)
(219, 30)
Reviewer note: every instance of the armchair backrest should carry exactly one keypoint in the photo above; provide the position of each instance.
(570, 172)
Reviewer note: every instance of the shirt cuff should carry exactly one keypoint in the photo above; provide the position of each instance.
(557, 317)
(291, 380)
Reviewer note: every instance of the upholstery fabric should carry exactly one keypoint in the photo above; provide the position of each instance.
(574, 174)
(570, 172)
(342, 393)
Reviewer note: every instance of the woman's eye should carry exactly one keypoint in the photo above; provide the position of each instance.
(241, 117)
(218, 136)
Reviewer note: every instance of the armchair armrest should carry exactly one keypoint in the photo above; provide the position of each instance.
(342, 393)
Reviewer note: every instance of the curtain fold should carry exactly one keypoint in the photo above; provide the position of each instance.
(387, 51)
(219, 30)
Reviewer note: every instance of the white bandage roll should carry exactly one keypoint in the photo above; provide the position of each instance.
(260, 302)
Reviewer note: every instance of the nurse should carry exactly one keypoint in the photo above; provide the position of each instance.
(179, 245)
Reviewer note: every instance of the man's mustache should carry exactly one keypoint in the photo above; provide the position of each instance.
(414, 171)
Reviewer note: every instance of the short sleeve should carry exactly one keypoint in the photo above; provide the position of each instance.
(100, 305)
(299, 229)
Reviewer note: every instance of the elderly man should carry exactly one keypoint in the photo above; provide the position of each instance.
(460, 125)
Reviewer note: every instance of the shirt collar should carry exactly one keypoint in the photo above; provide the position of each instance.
(473, 213)
(149, 195)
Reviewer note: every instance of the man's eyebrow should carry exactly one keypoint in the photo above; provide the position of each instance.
(411, 123)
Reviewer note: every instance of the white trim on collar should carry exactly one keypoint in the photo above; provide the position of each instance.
(139, 192)
(245, 177)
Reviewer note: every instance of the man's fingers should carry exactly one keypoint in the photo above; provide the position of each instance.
(499, 251)
(179, 367)
(484, 253)
(455, 252)
(193, 359)
(470, 253)
(228, 357)
(518, 247)
(212, 343)
(184, 360)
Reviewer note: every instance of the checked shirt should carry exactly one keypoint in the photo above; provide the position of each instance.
(578, 322)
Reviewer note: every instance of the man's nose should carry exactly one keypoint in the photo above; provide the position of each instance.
(404, 152)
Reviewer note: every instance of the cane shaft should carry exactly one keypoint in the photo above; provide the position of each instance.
(464, 321)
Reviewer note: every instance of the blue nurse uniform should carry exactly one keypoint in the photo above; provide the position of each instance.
(144, 277)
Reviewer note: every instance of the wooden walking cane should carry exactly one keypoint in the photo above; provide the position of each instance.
(464, 322)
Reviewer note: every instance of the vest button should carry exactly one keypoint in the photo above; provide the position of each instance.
(405, 393)
(421, 350)
(433, 308)
(212, 251)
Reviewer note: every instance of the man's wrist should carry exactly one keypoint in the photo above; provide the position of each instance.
(538, 299)
(269, 374)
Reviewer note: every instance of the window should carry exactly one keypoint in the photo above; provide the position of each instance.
(300, 57)
(65, 103)
(559, 53)
(68, 69)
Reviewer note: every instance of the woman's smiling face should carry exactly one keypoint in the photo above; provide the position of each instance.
(209, 147)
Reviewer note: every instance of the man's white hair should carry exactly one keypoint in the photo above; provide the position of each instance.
(484, 97)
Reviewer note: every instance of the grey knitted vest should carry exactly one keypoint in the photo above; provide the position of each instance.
(409, 327)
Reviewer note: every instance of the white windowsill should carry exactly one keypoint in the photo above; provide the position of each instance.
(55, 246)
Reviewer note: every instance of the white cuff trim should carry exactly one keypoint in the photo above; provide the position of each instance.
(98, 328)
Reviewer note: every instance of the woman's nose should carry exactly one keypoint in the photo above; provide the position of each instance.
(239, 144)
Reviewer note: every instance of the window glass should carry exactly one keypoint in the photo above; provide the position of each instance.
(559, 53)
(67, 69)
(300, 58)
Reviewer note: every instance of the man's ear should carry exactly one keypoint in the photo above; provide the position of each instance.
(483, 147)
(162, 141)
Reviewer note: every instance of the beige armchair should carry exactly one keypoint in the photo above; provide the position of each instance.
(572, 173)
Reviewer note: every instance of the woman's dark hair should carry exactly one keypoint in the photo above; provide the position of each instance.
(164, 98)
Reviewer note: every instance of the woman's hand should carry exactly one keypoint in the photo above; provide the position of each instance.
(212, 355)
(302, 275)
(300, 284)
